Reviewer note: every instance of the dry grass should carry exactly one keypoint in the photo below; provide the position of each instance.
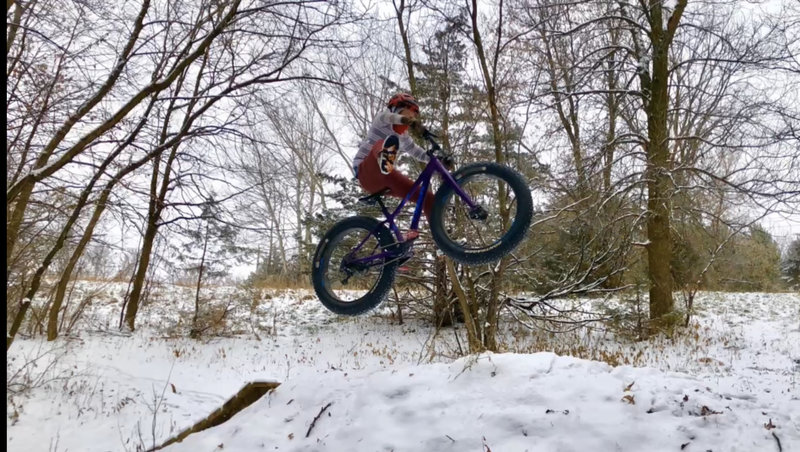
(283, 283)
(597, 343)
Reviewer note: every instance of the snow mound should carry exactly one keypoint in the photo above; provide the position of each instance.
(505, 402)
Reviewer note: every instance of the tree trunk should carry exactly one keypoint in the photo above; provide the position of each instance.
(490, 327)
(37, 280)
(473, 336)
(132, 307)
(58, 245)
(612, 102)
(157, 200)
(493, 310)
(63, 282)
(195, 333)
(412, 81)
(100, 207)
(14, 25)
(659, 185)
(442, 310)
(15, 217)
(488, 79)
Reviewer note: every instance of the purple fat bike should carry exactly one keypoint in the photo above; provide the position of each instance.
(481, 213)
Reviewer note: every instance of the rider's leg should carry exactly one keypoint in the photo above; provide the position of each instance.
(374, 177)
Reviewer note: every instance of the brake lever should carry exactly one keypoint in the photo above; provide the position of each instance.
(429, 136)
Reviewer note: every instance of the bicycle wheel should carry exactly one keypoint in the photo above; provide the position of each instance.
(344, 283)
(486, 234)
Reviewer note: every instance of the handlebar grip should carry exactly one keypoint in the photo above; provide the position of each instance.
(428, 135)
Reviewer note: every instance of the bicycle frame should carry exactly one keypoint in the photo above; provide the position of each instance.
(423, 184)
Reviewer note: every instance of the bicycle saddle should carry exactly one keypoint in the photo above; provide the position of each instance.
(373, 198)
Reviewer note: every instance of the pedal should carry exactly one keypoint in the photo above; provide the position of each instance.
(403, 259)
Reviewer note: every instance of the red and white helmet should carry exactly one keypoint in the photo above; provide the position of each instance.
(403, 100)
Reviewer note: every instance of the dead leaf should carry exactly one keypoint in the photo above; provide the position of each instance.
(708, 360)
(769, 425)
(629, 398)
(705, 411)
(291, 435)
(628, 388)
(174, 391)
(685, 398)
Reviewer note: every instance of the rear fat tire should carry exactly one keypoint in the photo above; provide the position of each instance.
(321, 261)
(512, 238)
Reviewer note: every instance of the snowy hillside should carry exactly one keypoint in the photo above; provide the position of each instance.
(733, 384)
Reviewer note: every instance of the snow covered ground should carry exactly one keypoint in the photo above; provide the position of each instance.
(368, 384)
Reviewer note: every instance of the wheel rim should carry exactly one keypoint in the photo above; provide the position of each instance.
(492, 194)
(346, 282)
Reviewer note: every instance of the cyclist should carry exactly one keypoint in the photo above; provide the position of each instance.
(374, 163)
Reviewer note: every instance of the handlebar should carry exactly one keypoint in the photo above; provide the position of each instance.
(435, 149)
(428, 136)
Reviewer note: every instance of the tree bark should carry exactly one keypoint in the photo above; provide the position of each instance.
(14, 25)
(412, 81)
(195, 333)
(659, 183)
(442, 310)
(473, 338)
(489, 76)
(157, 200)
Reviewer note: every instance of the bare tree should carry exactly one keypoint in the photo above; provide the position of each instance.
(204, 42)
(687, 130)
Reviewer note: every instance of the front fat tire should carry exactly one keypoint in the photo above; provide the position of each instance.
(512, 238)
(381, 289)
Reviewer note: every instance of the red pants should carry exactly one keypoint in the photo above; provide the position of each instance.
(373, 180)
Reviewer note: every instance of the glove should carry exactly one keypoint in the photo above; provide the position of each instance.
(447, 161)
(414, 125)
(407, 120)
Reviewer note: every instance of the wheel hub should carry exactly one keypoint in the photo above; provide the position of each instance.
(478, 213)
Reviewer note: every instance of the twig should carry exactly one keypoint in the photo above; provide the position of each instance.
(486, 447)
(317, 418)
(157, 401)
(780, 448)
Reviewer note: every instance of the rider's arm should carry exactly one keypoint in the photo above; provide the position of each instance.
(390, 118)
(407, 145)
(406, 142)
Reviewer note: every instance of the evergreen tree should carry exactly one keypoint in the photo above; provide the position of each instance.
(791, 265)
